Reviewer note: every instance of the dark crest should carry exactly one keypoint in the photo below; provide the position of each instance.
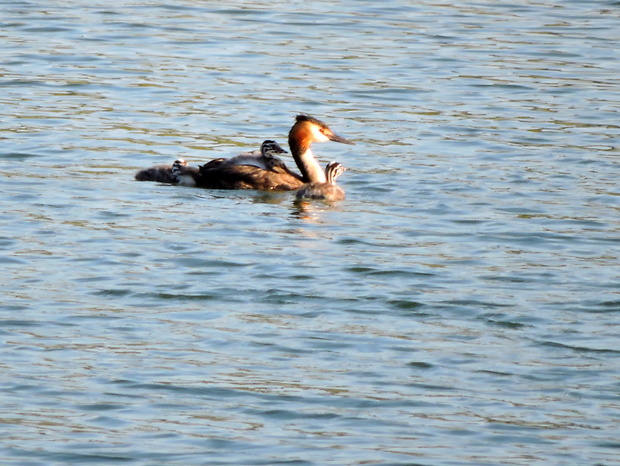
(299, 118)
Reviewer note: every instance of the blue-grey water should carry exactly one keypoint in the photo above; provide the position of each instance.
(460, 307)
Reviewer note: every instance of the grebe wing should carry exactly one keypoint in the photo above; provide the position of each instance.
(224, 176)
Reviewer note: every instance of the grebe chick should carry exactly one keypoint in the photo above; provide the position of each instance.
(161, 173)
(265, 158)
(217, 174)
(184, 175)
(327, 191)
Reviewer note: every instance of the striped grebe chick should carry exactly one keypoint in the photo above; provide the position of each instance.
(264, 158)
(218, 174)
(185, 175)
(327, 191)
(161, 173)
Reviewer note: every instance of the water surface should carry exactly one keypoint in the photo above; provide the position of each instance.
(460, 307)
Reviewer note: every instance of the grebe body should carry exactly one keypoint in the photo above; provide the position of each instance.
(327, 191)
(220, 174)
(180, 173)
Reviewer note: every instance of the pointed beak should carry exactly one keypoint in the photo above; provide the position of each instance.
(336, 138)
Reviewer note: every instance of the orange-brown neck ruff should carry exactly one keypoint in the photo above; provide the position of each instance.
(299, 140)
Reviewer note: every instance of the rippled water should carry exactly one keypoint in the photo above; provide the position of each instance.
(460, 307)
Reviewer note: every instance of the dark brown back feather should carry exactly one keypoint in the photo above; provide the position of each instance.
(221, 176)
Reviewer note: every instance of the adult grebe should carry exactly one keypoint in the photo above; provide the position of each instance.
(327, 191)
(306, 130)
(161, 173)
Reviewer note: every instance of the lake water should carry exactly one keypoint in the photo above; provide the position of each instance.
(460, 307)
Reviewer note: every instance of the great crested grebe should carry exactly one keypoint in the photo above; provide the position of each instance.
(328, 191)
(161, 173)
(217, 174)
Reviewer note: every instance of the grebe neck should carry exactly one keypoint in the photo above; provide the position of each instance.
(309, 166)
(305, 160)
